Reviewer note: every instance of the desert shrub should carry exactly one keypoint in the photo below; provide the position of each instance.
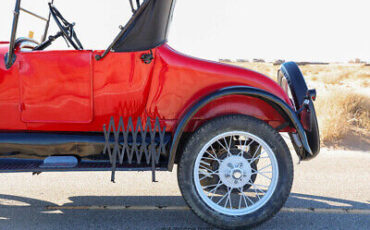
(341, 111)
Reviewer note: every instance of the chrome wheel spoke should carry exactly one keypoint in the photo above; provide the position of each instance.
(210, 171)
(245, 145)
(242, 197)
(246, 198)
(264, 167)
(245, 142)
(228, 199)
(240, 202)
(257, 189)
(205, 163)
(258, 172)
(213, 152)
(252, 160)
(223, 197)
(260, 185)
(207, 174)
(210, 186)
(213, 156)
(256, 151)
(213, 191)
(208, 158)
(227, 150)
(228, 145)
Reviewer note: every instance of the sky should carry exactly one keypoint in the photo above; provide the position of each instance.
(298, 30)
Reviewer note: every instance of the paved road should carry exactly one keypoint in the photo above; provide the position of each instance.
(329, 192)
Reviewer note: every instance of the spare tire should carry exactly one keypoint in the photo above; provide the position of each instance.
(291, 79)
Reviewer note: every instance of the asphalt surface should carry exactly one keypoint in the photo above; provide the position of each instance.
(329, 192)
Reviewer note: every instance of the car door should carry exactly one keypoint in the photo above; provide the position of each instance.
(56, 86)
(121, 85)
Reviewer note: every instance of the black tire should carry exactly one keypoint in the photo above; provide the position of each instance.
(226, 124)
(294, 77)
(291, 73)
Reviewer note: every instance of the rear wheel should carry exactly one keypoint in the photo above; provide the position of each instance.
(235, 172)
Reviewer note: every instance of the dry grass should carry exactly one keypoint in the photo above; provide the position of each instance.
(342, 112)
(343, 103)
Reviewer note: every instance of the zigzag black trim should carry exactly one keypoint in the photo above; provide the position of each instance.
(136, 149)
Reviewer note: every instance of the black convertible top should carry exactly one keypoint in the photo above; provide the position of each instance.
(147, 28)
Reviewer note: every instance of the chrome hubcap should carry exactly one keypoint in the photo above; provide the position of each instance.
(235, 171)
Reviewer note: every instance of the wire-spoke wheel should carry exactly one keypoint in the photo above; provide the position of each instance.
(228, 194)
(235, 172)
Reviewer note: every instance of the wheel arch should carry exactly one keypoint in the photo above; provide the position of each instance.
(237, 104)
(286, 112)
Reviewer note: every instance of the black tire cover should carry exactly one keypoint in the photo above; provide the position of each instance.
(296, 82)
(298, 89)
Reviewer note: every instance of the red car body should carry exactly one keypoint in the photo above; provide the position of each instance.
(71, 91)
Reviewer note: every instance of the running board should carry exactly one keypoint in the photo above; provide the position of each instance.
(24, 165)
(133, 144)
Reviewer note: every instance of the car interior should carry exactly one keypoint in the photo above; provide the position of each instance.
(66, 31)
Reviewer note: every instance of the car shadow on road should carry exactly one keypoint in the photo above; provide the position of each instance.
(28, 213)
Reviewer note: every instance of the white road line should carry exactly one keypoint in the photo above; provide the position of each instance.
(328, 210)
(183, 208)
(110, 207)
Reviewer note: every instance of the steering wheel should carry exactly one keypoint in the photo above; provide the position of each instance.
(66, 28)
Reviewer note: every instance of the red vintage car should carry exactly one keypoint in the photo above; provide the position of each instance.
(140, 105)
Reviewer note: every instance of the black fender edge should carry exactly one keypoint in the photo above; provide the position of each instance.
(277, 103)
